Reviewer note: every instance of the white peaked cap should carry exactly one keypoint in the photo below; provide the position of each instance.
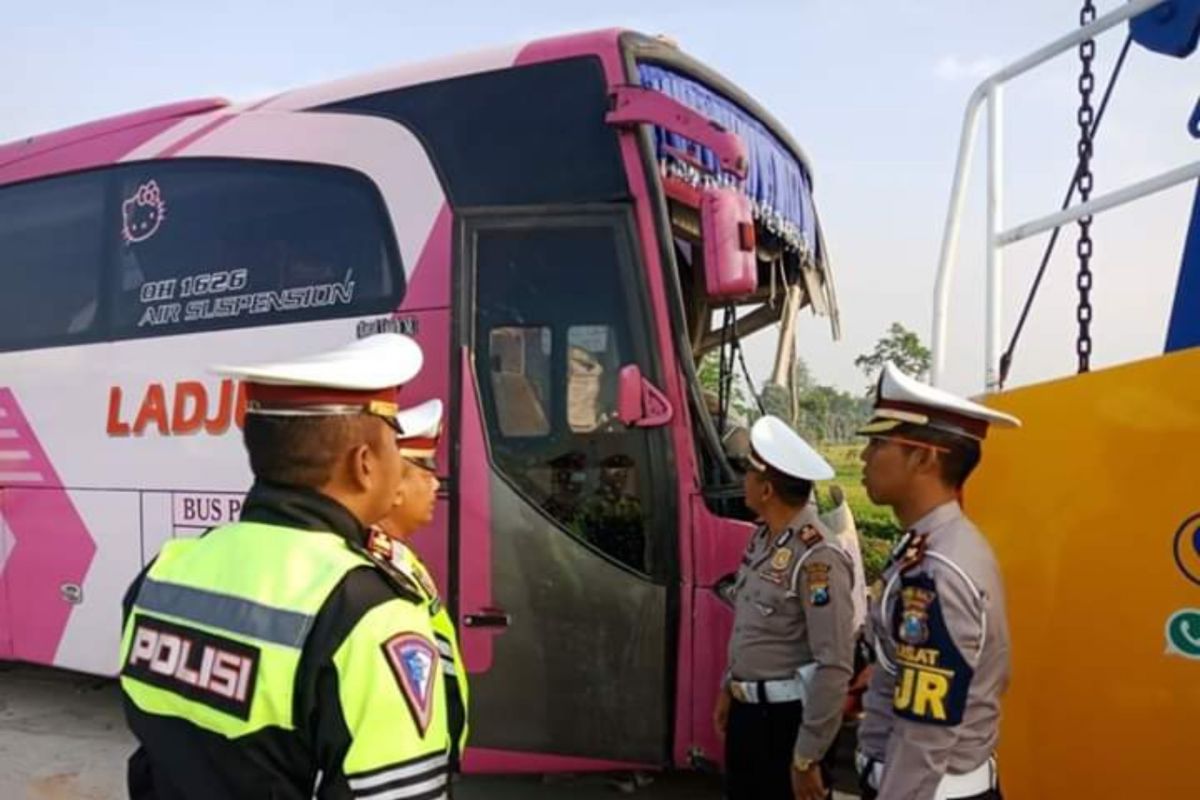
(902, 400)
(780, 447)
(369, 364)
(423, 421)
(361, 377)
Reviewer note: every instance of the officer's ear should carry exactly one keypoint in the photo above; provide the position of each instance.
(365, 459)
(359, 466)
(924, 461)
(766, 488)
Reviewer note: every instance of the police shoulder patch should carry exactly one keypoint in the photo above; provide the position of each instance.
(414, 662)
(933, 677)
(816, 576)
(914, 616)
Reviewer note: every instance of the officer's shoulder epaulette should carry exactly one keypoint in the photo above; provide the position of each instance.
(395, 579)
(914, 552)
(810, 536)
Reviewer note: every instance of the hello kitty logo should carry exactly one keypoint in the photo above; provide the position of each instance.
(142, 214)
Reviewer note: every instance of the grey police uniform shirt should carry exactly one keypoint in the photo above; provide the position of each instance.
(792, 607)
(941, 634)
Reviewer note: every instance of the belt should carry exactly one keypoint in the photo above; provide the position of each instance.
(979, 780)
(784, 690)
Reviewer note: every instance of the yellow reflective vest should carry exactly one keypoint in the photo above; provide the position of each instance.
(275, 657)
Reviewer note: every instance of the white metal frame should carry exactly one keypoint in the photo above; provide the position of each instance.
(990, 91)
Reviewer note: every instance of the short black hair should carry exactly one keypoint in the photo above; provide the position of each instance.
(791, 490)
(957, 457)
(301, 451)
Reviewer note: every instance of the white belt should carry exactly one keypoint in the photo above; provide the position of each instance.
(977, 781)
(786, 690)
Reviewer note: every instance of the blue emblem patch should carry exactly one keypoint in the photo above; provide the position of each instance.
(913, 629)
(817, 576)
(914, 618)
(414, 660)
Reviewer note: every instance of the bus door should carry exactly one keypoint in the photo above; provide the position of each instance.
(565, 572)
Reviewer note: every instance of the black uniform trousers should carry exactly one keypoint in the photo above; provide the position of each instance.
(760, 740)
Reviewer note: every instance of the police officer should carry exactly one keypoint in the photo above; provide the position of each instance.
(933, 704)
(416, 502)
(790, 655)
(276, 657)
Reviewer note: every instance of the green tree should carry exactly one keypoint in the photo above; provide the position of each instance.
(901, 346)
(709, 374)
(825, 414)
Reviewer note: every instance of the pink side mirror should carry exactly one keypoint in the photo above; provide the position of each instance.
(639, 402)
(727, 225)
(629, 395)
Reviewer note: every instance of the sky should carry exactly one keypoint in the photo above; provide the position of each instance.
(873, 90)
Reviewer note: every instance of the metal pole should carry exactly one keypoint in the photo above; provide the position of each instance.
(1158, 183)
(995, 255)
(949, 254)
(1109, 20)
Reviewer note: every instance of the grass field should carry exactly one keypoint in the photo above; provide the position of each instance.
(877, 526)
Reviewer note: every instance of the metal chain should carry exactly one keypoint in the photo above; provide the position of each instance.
(1083, 179)
(1006, 360)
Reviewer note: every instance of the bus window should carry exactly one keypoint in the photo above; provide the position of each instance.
(220, 244)
(592, 369)
(51, 240)
(521, 379)
(554, 325)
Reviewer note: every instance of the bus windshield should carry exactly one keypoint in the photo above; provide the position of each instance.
(790, 257)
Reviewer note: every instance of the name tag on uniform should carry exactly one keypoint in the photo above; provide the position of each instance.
(201, 666)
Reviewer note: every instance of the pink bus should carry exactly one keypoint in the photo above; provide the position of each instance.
(563, 225)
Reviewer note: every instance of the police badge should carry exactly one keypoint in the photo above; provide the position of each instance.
(817, 577)
(913, 628)
(781, 559)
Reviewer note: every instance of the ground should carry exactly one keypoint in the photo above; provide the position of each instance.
(62, 737)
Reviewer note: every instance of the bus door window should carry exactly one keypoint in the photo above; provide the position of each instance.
(552, 399)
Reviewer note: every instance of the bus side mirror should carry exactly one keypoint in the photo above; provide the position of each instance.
(727, 227)
(639, 402)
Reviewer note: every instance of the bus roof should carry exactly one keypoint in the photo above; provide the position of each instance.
(33, 146)
(123, 137)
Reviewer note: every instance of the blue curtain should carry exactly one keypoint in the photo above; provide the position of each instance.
(776, 182)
